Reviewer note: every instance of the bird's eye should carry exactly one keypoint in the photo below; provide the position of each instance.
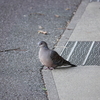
(41, 43)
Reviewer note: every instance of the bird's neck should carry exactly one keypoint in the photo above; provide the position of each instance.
(45, 48)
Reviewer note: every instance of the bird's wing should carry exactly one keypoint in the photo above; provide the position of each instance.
(57, 59)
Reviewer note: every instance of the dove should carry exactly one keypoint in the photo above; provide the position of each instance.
(51, 58)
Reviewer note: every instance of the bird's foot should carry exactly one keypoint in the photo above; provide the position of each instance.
(51, 68)
(46, 68)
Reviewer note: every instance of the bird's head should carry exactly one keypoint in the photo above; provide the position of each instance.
(43, 44)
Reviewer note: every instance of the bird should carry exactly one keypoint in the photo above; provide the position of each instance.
(50, 58)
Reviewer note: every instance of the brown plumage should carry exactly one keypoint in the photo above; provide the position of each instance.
(51, 58)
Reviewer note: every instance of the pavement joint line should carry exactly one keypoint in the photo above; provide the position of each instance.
(88, 52)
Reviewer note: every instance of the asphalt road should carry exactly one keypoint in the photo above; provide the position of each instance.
(21, 22)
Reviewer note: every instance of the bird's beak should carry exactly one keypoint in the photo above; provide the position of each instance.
(38, 44)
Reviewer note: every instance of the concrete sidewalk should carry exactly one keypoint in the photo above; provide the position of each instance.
(82, 82)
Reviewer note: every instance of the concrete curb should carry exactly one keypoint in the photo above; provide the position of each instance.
(76, 18)
(50, 85)
(47, 74)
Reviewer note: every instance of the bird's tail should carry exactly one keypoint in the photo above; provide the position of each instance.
(68, 63)
(72, 65)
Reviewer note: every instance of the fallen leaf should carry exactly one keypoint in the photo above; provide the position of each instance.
(57, 16)
(74, 13)
(67, 9)
(40, 27)
(44, 89)
(43, 32)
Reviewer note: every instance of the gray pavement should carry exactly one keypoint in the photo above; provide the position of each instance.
(81, 82)
(20, 21)
(88, 28)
